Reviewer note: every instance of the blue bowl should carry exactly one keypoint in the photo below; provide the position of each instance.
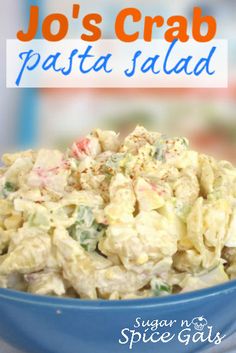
(175, 324)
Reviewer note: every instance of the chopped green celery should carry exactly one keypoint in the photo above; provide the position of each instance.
(86, 230)
(181, 209)
(39, 219)
(114, 162)
(85, 216)
(159, 153)
(8, 188)
(160, 149)
(165, 146)
(160, 288)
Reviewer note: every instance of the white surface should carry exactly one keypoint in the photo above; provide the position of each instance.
(228, 346)
(29, 71)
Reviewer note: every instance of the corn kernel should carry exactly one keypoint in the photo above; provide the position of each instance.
(142, 259)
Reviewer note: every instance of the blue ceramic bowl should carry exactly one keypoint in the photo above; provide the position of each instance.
(174, 324)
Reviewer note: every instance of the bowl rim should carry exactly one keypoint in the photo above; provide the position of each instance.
(166, 301)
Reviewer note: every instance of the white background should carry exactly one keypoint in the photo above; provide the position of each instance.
(122, 54)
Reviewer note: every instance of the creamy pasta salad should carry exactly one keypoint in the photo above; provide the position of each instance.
(111, 219)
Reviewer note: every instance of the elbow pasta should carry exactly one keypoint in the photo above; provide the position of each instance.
(111, 219)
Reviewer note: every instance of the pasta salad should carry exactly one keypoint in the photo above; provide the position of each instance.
(111, 219)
